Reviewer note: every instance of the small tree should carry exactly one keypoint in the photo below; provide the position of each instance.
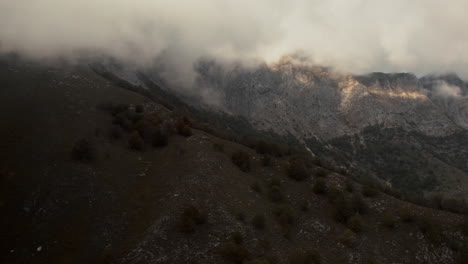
(135, 141)
(258, 222)
(355, 223)
(242, 160)
(190, 218)
(160, 139)
(320, 186)
(274, 194)
(84, 150)
(139, 109)
(389, 220)
(297, 170)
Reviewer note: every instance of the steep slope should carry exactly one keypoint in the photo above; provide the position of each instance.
(317, 105)
(136, 206)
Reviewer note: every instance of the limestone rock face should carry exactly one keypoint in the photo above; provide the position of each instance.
(312, 101)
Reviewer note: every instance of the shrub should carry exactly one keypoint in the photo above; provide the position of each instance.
(267, 161)
(84, 150)
(135, 141)
(190, 218)
(343, 209)
(183, 127)
(275, 182)
(306, 257)
(237, 238)
(334, 193)
(348, 238)
(123, 122)
(321, 172)
(355, 223)
(369, 191)
(185, 131)
(297, 170)
(349, 186)
(284, 215)
(464, 226)
(139, 109)
(218, 147)
(263, 147)
(256, 187)
(463, 255)
(389, 220)
(304, 206)
(320, 186)
(454, 205)
(234, 253)
(258, 221)
(242, 160)
(115, 132)
(431, 229)
(359, 204)
(274, 194)
(240, 216)
(372, 261)
(159, 139)
(406, 215)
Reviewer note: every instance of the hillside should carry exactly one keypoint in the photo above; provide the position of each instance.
(317, 107)
(77, 186)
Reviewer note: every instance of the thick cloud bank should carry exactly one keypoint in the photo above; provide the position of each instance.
(420, 36)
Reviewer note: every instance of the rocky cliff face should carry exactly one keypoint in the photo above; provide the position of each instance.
(409, 131)
(308, 101)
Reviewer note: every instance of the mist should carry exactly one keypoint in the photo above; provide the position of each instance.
(358, 36)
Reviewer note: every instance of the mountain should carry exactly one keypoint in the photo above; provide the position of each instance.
(409, 131)
(93, 170)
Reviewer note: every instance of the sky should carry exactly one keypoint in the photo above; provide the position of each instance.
(358, 36)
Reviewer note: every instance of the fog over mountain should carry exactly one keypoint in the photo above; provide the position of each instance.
(421, 36)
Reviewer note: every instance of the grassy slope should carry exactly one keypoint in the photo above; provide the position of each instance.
(124, 208)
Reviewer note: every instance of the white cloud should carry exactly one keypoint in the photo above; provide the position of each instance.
(420, 36)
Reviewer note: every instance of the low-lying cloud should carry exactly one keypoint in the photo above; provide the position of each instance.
(445, 90)
(359, 36)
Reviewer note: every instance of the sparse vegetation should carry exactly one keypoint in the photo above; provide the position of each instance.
(464, 226)
(256, 187)
(267, 161)
(369, 191)
(190, 218)
(320, 172)
(389, 220)
(234, 253)
(274, 194)
(135, 141)
(139, 109)
(242, 160)
(373, 261)
(355, 223)
(349, 186)
(406, 215)
(84, 150)
(284, 215)
(305, 257)
(304, 206)
(320, 186)
(463, 255)
(431, 229)
(258, 221)
(115, 132)
(240, 216)
(159, 139)
(237, 238)
(219, 147)
(348, 238)
(183, 127)
(297, 170)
